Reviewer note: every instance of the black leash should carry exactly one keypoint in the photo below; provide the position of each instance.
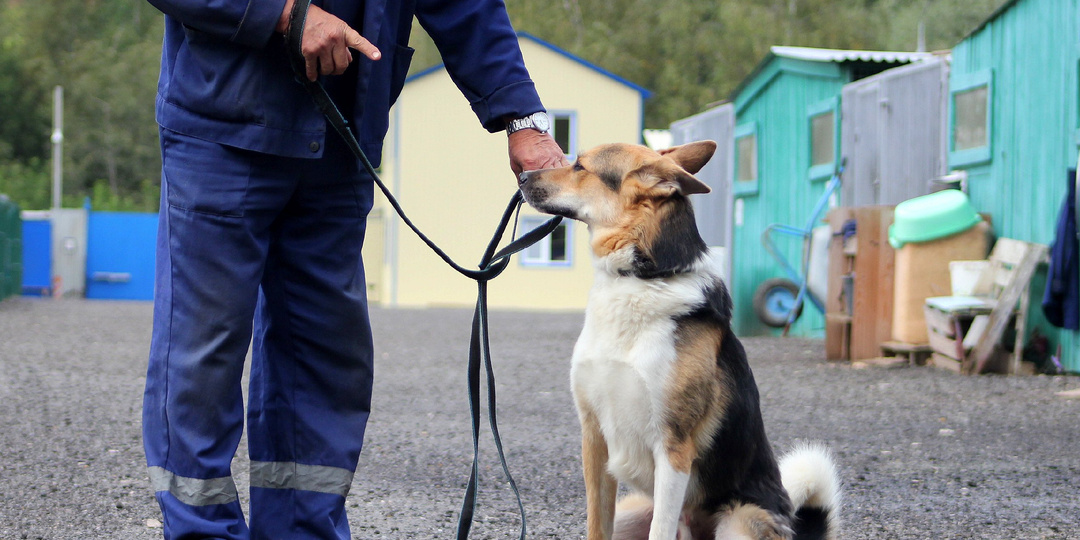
(491, 265)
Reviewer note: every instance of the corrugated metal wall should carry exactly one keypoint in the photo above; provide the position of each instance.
(785, 192)
(1032, 52)
(893, 134)
(713, 210)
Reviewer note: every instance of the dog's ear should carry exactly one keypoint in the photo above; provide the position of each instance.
(672, 177)
(685, 183)
(691, 156)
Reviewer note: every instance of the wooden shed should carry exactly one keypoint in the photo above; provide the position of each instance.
(1014, 124)
(785, 146)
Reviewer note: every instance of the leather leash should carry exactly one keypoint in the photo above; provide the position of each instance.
(491, 265)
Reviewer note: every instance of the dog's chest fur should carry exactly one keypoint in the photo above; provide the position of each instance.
(624, 359)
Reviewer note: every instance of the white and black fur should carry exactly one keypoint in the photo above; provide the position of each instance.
(665, 395)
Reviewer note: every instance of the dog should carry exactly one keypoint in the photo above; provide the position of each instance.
(666, 398)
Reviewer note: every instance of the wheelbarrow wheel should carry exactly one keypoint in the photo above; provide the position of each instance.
(774, 300)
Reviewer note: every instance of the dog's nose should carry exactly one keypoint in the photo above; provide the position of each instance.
(524, 177)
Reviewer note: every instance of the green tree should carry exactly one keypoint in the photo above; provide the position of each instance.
(106, 55)
(689, 53)
(24, 131)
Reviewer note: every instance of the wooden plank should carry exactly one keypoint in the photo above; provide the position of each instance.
(901, 347)
(1009, 251)
(1069, 394)
(874, 268)
(1021, 330)
(946, 363)
(942, 344)
(938, 321)
(836, 333)
(837, 263)
(1002, 312)
(837, 330)
(975, 331)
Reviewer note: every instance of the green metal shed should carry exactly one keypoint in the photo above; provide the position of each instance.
(1014, 124)
(786, 145)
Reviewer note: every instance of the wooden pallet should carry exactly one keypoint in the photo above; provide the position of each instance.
(969, 333)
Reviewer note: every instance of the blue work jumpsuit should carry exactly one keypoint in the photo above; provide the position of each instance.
(261, 224)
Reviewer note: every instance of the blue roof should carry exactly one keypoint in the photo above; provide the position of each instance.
(523, 35)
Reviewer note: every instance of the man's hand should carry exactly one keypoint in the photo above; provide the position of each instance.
(326, 42)
(531, 150)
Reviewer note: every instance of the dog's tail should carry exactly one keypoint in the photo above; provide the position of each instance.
(813, 484)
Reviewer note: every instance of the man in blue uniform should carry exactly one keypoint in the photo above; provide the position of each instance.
(261, 224)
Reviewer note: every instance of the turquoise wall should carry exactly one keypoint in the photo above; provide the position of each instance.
(1030, 53)
(776, 104)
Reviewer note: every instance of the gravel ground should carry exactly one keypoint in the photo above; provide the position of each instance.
(923, 453)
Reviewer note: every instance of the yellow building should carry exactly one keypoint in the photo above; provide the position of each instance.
(453, 178)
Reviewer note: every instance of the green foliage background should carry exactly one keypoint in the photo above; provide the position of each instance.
(689, 53)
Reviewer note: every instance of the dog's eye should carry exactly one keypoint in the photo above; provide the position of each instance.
(578, 167)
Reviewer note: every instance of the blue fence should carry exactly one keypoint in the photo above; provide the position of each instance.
(37, 257)
(120, 255)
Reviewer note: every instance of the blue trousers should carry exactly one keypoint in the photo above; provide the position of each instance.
(261, 250)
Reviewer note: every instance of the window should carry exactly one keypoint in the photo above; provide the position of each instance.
(970, 119)
(746, 160)
(553, 250)
(821, 139)
(823, 128)
(969, 130)
(564, 130)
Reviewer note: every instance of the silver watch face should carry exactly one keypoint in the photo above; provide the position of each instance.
(541, 121)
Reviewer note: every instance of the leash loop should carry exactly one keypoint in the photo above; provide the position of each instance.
(493, 262)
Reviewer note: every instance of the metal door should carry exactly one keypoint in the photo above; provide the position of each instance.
(713, 210)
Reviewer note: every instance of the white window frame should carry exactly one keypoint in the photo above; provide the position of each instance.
(572, 137)
(745, 188)
(824, 170)
(538, 255)
(962, 83)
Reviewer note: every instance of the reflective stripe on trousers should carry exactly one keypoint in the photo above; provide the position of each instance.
(269, 475)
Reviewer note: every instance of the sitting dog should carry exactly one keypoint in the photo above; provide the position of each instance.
(667, 402)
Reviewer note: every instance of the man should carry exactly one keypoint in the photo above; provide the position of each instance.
(262, 218)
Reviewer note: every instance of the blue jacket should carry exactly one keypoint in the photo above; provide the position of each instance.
(225, 76)
(1061, 300)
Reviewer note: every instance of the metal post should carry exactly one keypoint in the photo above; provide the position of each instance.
(57, 146)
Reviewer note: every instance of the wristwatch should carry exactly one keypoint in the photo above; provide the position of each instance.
(538, 121)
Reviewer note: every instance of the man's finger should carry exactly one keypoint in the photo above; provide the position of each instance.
(326, 63)
(355, 41)
(342, 56)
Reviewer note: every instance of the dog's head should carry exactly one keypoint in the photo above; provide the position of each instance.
(628, 195)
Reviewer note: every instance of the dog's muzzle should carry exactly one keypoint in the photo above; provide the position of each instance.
(524, 177)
